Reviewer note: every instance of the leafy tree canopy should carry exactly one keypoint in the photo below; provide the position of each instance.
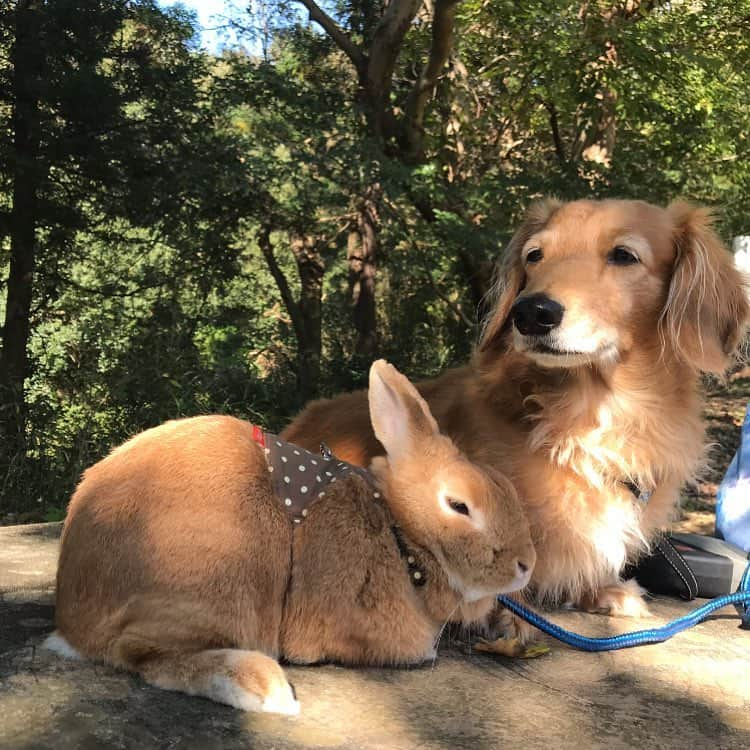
(184, 232)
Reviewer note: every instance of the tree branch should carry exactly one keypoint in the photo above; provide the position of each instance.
(394, 23)
(443, 23)
(266, 247)
(387, 39)
(556, 136)
(337, 34)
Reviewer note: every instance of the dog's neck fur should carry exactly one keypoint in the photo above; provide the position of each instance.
(596, 428)
(623, 422)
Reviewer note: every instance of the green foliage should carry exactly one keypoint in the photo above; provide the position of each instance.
(163, 164)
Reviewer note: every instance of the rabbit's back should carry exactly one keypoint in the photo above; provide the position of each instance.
(180, 518)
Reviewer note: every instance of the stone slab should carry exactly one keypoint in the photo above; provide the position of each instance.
(692, 692)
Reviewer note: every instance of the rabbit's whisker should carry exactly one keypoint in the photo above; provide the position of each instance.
(440, 634)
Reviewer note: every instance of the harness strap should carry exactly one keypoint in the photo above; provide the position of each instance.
(416, 572)
(668, 551)
(300, 477)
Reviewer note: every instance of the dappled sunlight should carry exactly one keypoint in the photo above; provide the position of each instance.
(20, 702)
(693, 686)
(339, 703)
(706, 665)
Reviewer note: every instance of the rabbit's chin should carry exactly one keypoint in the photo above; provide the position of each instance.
(474, 594)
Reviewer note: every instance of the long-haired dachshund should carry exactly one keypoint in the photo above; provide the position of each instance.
(585, 385)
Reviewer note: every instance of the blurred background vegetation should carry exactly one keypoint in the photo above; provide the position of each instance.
(187, 230)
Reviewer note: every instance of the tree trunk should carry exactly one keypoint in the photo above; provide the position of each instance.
(399, 131)
(362, 254)
(443, 24)
(597, 119)
(304, 312)
(27, 62)
(310, 268)
(477, 272)
(597, 122)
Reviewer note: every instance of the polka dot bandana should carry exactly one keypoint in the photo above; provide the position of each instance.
(299, 477)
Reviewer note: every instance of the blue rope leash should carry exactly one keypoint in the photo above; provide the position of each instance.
(741, 600)
(744, 588)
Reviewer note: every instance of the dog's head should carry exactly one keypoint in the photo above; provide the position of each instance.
(583, 283)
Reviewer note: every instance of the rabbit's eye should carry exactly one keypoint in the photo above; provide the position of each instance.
(459, 507)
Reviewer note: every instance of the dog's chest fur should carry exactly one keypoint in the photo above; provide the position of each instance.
(570, 453)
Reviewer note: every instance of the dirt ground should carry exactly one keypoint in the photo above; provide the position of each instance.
(691, 692)
(724, 413)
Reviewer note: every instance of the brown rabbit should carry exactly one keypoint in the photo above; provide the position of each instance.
(181, 563)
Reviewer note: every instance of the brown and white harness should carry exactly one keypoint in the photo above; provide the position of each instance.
(299, 477)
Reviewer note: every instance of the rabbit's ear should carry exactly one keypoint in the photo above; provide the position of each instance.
(400, 417)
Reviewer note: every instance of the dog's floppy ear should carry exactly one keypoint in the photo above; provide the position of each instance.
(706, 312)
(510, 277)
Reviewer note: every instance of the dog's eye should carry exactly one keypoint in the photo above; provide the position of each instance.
(535, 255)
(459, 507)
(621, 256)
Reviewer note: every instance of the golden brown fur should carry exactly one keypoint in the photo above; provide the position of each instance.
(569, 428)
(178, 562)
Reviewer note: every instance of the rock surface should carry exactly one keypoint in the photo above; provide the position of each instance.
(692, 692)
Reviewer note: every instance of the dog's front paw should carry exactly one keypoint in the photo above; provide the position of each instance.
(623, 599)
(501, 623)
(512, 648)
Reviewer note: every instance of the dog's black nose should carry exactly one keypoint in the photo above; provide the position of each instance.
(537, 314)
